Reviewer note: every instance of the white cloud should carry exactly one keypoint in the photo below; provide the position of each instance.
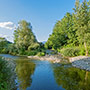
(7, 25)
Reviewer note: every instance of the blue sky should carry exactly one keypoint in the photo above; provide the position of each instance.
(42, 14)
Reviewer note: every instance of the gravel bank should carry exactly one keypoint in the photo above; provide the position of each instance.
(82, 62)
(51, 58)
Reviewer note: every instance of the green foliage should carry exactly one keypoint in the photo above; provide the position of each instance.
(82, 50)
(82, 17)
(25, 42)
(73, 29)
(5, 75)
(3, 45)
(87, 39)
(12, 49)
(82, 22)
(3, 84)
(41, 54)
(63, 33)
(71, 52)
(53, 52)
(23, 36)
(31, 53)
(34, 46)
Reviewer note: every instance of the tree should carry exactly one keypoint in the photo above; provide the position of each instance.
(3, 45)
(23, 36)
(63, 33)
(73, 29)
(82, 17)
(57, 39)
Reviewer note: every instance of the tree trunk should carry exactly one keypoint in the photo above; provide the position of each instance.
(86, 48)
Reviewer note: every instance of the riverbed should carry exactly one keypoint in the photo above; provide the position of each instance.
(45, 75)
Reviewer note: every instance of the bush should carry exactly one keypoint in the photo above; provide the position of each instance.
(71, 52)
(5, 74)
(54, 52)
(5, 50)
(82, 50)
(31, 53)
(41, 54)
(33, 46)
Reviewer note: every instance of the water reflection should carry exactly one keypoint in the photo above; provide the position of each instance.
(46, 76)
(49, 76)
(24, 71)
(42, 79)
(72, 78)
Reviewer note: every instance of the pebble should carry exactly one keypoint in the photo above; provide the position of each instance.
(81, 62)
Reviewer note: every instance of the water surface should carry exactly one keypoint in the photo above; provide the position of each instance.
(43, 75)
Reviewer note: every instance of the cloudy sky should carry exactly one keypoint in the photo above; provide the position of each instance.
(42, 14)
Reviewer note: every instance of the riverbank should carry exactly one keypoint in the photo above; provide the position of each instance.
(8, 76)
(82, 62)
(51, 58)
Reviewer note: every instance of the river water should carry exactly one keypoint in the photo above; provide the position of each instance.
(44, 75)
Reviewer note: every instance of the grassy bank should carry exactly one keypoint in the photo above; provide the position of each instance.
(6, 78)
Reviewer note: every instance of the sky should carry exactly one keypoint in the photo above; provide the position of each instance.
(42, 14)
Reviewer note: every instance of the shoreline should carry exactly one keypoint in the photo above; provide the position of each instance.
(51, 58)
(81, 62)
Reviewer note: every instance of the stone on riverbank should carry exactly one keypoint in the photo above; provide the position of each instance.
(72, 59)
(82, 62)
(51, 58)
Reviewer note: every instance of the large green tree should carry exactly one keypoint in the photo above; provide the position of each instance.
(23, 36)
(63, 33)
(73, 29)
(82, 22)
(57, 39)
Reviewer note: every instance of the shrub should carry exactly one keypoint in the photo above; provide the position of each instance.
(54, 52)
(41, 54)
(6, 82)
(82, 50)
(33, 46)
(71, 52)
(31, 53)
(5, 50)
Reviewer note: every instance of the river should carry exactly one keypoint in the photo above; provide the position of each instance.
(44, 75)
